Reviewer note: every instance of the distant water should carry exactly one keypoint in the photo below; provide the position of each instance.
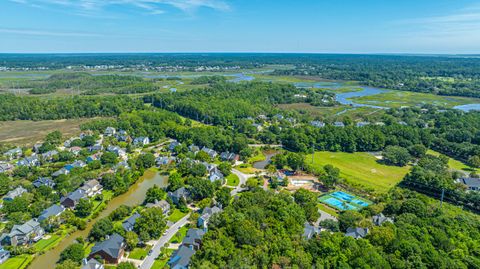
(469, 107)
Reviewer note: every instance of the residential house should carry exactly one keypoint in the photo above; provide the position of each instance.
(206, 215)
(164, 205)
(257, 126)
(118, 151)
(44, 181)
(109, 131)
(75, 150)
(362, 124)
(357, 232)
(122, 136)
(62, 171)
(129, 223)
(278, 117)
(173, 145)
(30, 231)
(92, 187)
(338, 124)
(381, 219)
(94, 157)
(91, 264)
(13, 153)
(110, 250)
(141, 141)
(164, 160)
(48, 156)
(96, 147)
(216, 175)
(72, 199)
(473, 184)
(317, 124)
(14, 193)
(229, 156)
(193, 239)
(193, 148)
(212, 153)
(4, 255)
(53, 211)
(310, 231)
(75, 164)
(36, 147)
(178, 195)
(5, 167)
(122, 164)
(29, 161)
(69, 141)
(180, 258)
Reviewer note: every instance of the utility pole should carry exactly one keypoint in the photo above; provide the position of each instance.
(441, 199)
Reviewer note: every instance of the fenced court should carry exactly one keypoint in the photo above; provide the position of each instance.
(344, 201)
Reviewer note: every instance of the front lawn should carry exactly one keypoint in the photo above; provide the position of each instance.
(162, 260)
(232, 180)
(178, 237)
(18, 262)
(176, 215)
(139, 253)
(45, 244)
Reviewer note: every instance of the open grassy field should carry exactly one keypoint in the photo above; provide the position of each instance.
(362, 168)
(232, 180)
(337, 112)
(176, 215)
(404, 98)
(178, 237)
(139, 253)
(17, 262)
(456, 165)
(29, 132)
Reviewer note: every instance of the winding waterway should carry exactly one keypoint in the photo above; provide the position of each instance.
(134, 196)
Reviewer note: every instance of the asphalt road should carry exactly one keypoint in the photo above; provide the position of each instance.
(171, 231)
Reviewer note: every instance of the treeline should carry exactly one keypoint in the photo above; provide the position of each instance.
(456, 76)
(158, 124)
(30, 108)
(229, 103)
(263, 230)
(90, 84)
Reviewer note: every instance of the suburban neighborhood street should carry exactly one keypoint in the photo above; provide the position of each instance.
(243, 179)
(171, 231)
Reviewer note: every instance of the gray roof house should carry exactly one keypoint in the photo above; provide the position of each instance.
(229, 156)
(206, 215)
(357, 232)
(109, 131)
(193, 239)
(23, 234)
(310, 231)
(53, 211)
(338, 124)
(212, 153)
(317, 124)
(111, 249)
(5, 167)
(381, 219)
(215, 175)
(179, 194)
(62, 171)
(174, 144)
(91, 264)
(13, 153)
(44, 181)
(180, 259)
(29, 161)
(4, 255)
(92, 187)
(130, 222)
(14, 193)
(362, 124)
(141, 141)
(472, 184)
(164, 205)
(48, 156)
(72, 199)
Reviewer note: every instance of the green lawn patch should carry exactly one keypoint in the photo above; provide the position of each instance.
(246, 168)
(178, 237)
(454, 164)
(328, 210)
(139, 253)
(17, 262)
(176, 215)
(162, 260)
(49, 243)
(362, 168)
(232, 180)
(257, 158)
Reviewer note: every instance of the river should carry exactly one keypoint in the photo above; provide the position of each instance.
(134, 196)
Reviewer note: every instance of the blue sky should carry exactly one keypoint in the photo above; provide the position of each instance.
(323, 26)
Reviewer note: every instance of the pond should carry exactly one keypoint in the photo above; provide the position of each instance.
(469, 107)
(134, 196)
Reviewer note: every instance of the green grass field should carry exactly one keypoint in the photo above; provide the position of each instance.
(139, 253)
(456, 165)
(362, 168)
(178, 237)
(176, 215)
(49, 243)
(161, 262)
(17, 262)
(404, 98)
(232, 180)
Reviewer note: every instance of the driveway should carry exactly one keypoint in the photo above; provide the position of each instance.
(171, 231)
(243, 180)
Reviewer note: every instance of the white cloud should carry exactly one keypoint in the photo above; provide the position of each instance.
(88, 7)
(37, 32)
